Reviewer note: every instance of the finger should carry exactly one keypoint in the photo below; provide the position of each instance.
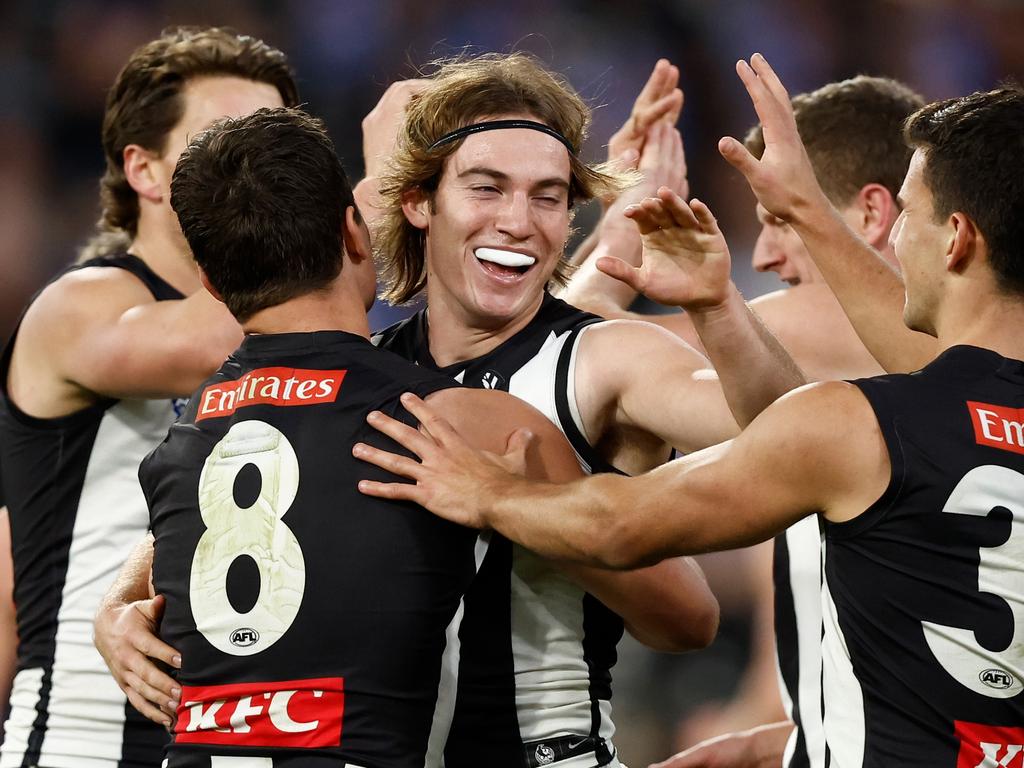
(149, 674)
(392, 462)
(158, 698)
(147, 710)
(430, 420)
(677, 208)
(653, 87)
(620, 270)
(769, 77)
(392, 491)
(738, 156)
(647, 116)
(647, 217)
(658, 212)
(762, 99)
(406, 436)
(150, 645)
(706, 219)
(653, 158)
(627, 161)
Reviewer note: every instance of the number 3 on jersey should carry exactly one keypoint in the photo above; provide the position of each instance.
(256, 531)
(996, 674)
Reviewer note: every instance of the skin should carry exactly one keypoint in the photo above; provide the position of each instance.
(791, 464)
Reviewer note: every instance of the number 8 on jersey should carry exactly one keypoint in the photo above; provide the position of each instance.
(256, 531)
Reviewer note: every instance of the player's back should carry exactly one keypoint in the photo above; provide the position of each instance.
(924, 624)
(311, 619)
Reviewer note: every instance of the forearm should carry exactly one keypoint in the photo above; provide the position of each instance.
(753, 367)
(133, 580)
(767, 743)
(870, 291)
(667, 607)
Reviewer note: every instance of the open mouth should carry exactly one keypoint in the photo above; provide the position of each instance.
(499, 261)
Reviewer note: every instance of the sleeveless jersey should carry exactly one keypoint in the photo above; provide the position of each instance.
(312, 620)
(924, 599)
(76, 511)
(798, 626)
(537, 651)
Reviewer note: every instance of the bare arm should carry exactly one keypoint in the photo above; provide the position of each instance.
(125, 634)
(669, 606)
(786, 465)
(761, 747)
(99, 332)
(870, 292)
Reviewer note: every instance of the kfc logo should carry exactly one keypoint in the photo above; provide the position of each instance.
(989, 746)
(270, 386)
(290, 713)
(997, 426)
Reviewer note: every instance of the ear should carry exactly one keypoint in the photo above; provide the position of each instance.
(963, 244)
(416, 207)
(356, 237)
(141, 172)
(877, 212)
(208, 285)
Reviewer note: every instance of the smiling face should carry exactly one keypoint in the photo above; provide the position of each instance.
(496, 226)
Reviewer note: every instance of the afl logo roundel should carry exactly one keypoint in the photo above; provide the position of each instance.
(996, 678)
(243, 637)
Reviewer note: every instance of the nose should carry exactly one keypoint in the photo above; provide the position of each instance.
(768, 256)
(514, 217)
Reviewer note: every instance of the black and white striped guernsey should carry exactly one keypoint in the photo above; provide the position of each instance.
(924, 592)
(537, 651)
(76, 511)
(798, 626)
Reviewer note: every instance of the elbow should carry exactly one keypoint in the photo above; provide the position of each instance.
(622, 546)
(704, 624)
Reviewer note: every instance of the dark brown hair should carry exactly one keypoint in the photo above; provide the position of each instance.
(261, 200)
(974, 163)
(145, 103)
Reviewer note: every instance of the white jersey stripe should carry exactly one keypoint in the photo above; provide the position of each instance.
(844, 698)
(444, 705)
(25, 695)
(805, 569)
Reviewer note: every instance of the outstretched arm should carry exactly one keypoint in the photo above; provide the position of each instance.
(786, 465)
(760, 747)
(871, 293)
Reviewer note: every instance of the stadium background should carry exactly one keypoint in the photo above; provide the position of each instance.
(57, 57)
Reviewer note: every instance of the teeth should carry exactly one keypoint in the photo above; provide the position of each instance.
(504, 258)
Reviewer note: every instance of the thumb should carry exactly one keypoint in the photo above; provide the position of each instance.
(628, 160)
(737, 156)
(620, 270)
(152, 609)
(519, 443)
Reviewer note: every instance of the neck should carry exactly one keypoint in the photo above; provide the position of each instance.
(334, 308)
(993, 323)
(162, 246)
(453, 336)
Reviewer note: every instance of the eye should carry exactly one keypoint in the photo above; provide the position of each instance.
(484, 188)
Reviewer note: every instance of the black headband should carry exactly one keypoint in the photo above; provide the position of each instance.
(497, 125)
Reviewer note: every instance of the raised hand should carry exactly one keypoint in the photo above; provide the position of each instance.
(685, 261)
(783, 179)
(381, 125)
(659, 99)
(451, 477)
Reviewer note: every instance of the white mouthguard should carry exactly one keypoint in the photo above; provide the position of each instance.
(504, 258)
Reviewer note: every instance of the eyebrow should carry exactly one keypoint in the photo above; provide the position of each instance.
(478, 170)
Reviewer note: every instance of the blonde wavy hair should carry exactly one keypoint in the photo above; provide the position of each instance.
(464, 90)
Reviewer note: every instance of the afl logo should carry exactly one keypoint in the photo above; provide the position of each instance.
(996, 678)
(244, 637)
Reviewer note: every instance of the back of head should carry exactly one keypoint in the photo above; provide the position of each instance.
(974, 164)
(145, 103)
(853, 132)
(464, 91)
(261, 200)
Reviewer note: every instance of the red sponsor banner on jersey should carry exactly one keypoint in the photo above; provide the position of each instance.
(989, 746)
(270, 386)
(288, 713)
(997, 426)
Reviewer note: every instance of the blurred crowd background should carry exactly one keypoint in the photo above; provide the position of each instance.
(58, 57)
